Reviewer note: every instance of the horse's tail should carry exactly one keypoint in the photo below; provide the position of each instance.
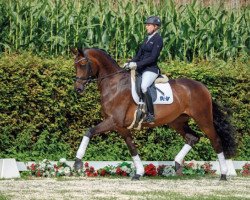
(225, 130)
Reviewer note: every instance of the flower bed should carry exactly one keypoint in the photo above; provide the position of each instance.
(245, 170)
(192, 169)
(124, 169)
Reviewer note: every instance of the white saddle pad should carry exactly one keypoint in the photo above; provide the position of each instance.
(165, 98)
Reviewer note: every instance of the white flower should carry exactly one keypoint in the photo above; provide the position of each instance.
(113, 171)
(50, 166)
(46, 174)
(62, 160)
(168, 171)
(61, 170)
(53, 173)
(67, 171)
(42, 166)
(126, 169)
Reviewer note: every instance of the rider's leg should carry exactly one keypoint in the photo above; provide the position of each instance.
(147, 80)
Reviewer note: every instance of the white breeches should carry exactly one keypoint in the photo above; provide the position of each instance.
(147, 79)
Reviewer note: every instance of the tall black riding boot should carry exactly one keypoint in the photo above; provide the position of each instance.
(150, 108)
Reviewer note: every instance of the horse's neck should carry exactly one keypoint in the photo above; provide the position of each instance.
(109, 75)
(114, 84)
(107, 68)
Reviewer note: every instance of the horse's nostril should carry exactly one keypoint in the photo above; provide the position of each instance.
(79, 90)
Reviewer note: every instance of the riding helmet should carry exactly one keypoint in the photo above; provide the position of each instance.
(153, 20)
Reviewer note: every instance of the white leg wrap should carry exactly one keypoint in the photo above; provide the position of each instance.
(81, 151)
(138, 165)
(223, 164)
(180, 156)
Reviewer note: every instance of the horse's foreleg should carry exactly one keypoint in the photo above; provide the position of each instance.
(104, 126)
(126, 135)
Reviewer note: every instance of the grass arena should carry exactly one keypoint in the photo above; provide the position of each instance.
(124, 188)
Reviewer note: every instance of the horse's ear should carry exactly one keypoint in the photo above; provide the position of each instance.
(80, 51)
(73, 50)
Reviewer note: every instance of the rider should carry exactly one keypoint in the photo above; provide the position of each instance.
(145, 62)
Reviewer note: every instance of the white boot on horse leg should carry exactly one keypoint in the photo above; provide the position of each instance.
(80, 153)
(223, 166)
(179, 158)
(139, 167)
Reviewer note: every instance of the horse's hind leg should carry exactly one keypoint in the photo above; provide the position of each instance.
(205, 123)
(191, 138)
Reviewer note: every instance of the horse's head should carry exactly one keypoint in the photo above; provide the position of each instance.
(84, 72)
(93, 64)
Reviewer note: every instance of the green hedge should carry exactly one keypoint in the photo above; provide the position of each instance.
(42, 117)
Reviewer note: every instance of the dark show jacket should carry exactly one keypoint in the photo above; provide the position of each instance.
(147, 56)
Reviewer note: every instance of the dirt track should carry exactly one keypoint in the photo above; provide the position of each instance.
(124, 188)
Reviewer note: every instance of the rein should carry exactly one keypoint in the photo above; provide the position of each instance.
(104, 77)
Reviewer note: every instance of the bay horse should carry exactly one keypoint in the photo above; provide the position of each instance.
(191, 100)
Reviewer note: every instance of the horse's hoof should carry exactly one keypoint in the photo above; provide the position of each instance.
(177, 166)
(178, 169)
(136, 177)
(179, 172)
(78, 164)
(223, 177)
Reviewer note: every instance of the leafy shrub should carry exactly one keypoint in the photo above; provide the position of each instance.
(42, 117)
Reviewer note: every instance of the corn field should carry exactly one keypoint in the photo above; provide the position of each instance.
(51, 27)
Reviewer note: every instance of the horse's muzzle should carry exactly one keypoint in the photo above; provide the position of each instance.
(79, 88)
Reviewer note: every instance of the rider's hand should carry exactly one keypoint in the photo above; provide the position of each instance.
(125, 66)
(130, 65)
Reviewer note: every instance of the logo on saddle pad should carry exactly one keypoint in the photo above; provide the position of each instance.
(164, 98)
(161, 93)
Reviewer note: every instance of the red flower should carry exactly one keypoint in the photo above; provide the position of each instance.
(38, 174)
(118, 171)
(124, 173)
(56, 168)
(190, 165)
(88, 174)
(92, 169)
(86, 165)
(33, 167)
(103, 172)
(150, 170)
(245, 172)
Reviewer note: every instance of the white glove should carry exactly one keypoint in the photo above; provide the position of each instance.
(125, 65)
(131, 65)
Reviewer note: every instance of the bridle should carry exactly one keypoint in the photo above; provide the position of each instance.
(90, 77)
